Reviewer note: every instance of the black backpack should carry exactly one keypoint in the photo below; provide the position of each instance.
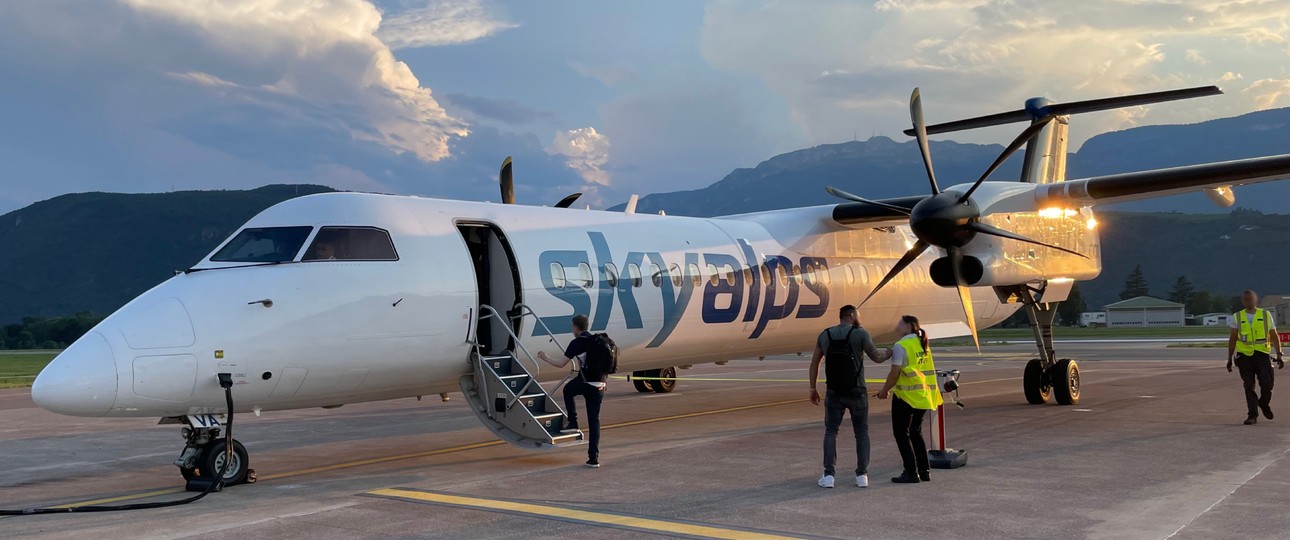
(841, 367)
(602, 358)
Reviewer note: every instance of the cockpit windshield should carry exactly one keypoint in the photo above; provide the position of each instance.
(267, 244)
(351, 243)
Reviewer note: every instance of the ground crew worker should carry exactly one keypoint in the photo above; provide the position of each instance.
(1252, 340)
(841, 347)
(913, 380)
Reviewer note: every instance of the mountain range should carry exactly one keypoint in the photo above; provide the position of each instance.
(881, 167)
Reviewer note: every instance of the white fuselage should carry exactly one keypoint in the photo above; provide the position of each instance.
(341, 331)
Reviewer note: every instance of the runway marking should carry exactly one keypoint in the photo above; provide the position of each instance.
(576, 515)
(1229, 494)
(428, 453)
(110, 500)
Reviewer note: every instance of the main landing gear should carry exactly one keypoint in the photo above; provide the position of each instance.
(662, 381)
(204, 455)
(1044, 376)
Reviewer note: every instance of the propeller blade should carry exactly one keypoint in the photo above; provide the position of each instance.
(920, 131)
(1017, 143)
(913, 253)
(965, 295)
(844, 195)
(507, 182)
(995, 231)
(565, 202)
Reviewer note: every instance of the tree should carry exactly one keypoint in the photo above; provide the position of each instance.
(1135, 285)
(1069, 310)
(1182, 291)
(1200, 303)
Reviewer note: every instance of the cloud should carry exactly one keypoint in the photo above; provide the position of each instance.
(851, 66)
(586, 152)
(150, 95)
(506, 111)
(441, 22)
(1266, 93)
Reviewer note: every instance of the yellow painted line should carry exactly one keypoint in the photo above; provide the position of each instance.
(110, 500)
(427, 453)
(735, 379)
(578, 516)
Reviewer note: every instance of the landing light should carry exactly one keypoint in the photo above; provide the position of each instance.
(1092, 223)
(1056, 212)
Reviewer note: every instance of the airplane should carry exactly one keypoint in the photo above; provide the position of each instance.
(340, 298)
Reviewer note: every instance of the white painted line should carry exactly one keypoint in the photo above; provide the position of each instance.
(1229, 494)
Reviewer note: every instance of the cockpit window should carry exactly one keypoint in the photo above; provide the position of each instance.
(268, 244)
(351, 244)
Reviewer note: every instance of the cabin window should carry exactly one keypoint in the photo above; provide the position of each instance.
(675, 270)
(266, 244)
(611, 274)
(824, 275)
(728, 272)
(851, 275)
(584, 275)
(695, 274)
(634, 274)
(655, 275)
(712, 274)
(351, 244)
(557, 275)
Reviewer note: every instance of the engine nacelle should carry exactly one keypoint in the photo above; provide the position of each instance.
(942, 271)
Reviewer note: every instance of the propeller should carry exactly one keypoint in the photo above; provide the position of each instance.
(507, 182)
(506, 179)
(948, 219)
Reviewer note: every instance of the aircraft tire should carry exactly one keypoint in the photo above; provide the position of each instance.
(643, 386)
(212, 458)
(667, 386)
(187, 473)
(1034, 383)
(1065, 378)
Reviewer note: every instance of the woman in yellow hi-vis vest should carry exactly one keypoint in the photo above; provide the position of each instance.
(913, 380)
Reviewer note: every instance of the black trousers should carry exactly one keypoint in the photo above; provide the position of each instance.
(578, 387)
(907, 426)
(1256, 368)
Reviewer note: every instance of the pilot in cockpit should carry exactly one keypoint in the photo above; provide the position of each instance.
(323, 251)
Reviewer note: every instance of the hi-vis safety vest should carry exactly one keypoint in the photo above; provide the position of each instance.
(1252, 333)
(917, 382)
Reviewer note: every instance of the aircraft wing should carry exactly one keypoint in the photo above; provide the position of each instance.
(1133, 186)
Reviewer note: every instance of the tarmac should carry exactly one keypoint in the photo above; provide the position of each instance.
(1155, 449)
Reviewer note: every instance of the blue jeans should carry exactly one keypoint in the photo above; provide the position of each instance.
(834, 407)
(577, 387)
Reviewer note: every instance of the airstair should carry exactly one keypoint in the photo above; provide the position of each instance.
(506, 396)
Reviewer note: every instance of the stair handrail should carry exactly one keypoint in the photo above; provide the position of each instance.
(525, 311)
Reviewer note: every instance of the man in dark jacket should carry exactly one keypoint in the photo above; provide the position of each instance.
(854, 399)
(592, 391)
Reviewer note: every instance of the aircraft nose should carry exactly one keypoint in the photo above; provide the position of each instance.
(80, 381)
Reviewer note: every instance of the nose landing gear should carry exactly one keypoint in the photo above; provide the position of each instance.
(1044, 376)
(204, 455)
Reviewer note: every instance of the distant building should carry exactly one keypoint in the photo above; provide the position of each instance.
(1092, 318)
(1279, 305)
(1213, 319)
(1145, 311)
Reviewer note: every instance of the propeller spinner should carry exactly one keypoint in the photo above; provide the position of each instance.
(948, 219)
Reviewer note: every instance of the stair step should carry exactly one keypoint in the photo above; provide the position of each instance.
(565, 438)
(500, 364)
(551, 421)
(514, 382)
(534, 402)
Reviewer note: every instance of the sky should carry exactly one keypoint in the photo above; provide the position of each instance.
(427, 97)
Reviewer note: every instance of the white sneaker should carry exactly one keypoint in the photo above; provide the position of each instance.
(826, 481)
(862, 480)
